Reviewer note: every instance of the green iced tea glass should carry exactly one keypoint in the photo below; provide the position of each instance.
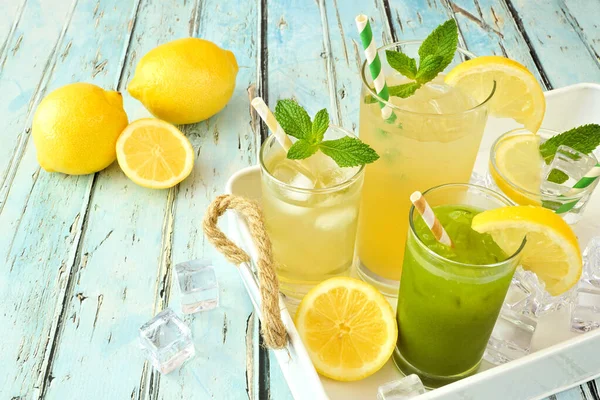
(447, 308)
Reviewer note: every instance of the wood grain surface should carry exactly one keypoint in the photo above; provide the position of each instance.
(86, 260)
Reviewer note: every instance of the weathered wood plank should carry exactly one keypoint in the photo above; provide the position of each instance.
(36, 248)
(223, 144)
(125, 246)
(9, 22)
(488, 28)
(554, 41)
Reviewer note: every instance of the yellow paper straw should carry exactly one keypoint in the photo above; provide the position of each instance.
(266, 115)
(430, 219)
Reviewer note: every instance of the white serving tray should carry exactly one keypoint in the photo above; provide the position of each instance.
(560, 359)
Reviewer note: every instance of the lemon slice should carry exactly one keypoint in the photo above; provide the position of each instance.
(348, 328)
(518, 94)
(154, 153)
(552, 250)
(518, 165)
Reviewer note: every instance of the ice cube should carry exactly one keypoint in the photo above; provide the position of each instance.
(401, 389)
(336, 218)
(197, 285)
(477, 179)
(541, 302)
(167, 341)
(519, 295)
(292, 175)
(591, 262)
(511, 337)
(585, 311)
(566, 169)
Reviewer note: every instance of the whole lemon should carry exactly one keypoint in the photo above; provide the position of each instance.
(75, 129)
(185, 81)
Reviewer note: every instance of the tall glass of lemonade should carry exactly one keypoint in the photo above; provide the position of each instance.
(311, 214)
(433, 140)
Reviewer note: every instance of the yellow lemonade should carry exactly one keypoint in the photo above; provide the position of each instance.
(311, 215)
(433, 141)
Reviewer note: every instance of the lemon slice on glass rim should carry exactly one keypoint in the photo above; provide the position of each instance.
(552, 250)
(516, 167)
(518, 94)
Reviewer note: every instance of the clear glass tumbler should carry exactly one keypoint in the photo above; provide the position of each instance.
(447, 309)
(434, 140)
(311, 214)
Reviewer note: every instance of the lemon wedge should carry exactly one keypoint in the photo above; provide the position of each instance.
(154, 153)
(517, 168)
(552, 251)
(518, 94)
(348, 328)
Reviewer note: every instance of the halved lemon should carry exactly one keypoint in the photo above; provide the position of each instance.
(552, 251)
(518, 94)
(154, 153)
(517, 168)
(348, 328)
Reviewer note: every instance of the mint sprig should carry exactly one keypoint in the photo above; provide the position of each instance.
(295, 121)
(584, 138)
(435, 53)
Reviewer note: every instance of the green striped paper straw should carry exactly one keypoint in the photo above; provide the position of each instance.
(368, 42)
(580, 186)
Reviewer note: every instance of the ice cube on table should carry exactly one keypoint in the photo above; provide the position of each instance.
(198, 286)
(402, 389)
(511, 337)
(591, 262)
(541, 302)
(167, 341)
(478, 179)
(520, 293)
(585, 311)
(567, 168)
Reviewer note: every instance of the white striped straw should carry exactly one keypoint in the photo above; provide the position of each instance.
(266, 115)
(430, 219)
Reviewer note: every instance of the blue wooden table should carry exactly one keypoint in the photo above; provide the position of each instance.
(85, 261)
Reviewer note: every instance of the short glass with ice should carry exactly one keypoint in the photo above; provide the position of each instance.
(433, 140)
(311, 213)
(450, 297)
(551, 181)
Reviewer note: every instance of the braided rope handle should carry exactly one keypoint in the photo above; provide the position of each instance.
(273, 330)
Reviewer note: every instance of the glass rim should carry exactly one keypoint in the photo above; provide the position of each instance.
(395, 107)
(520, 189)
(459, 264)
(339, 186)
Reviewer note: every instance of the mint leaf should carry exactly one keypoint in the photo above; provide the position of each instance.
(441, 42)
(405, 90)
(429, 68)
(319, 126)
(301, 150)
(293, 119)
(557, 176)
(402, 63)
(348, 152)
(584, 138)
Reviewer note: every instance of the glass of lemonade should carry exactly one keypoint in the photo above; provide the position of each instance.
(450, 297)
(311, 214)
(524, 179)
(434, 140)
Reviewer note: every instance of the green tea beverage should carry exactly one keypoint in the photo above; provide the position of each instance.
(450, 297)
